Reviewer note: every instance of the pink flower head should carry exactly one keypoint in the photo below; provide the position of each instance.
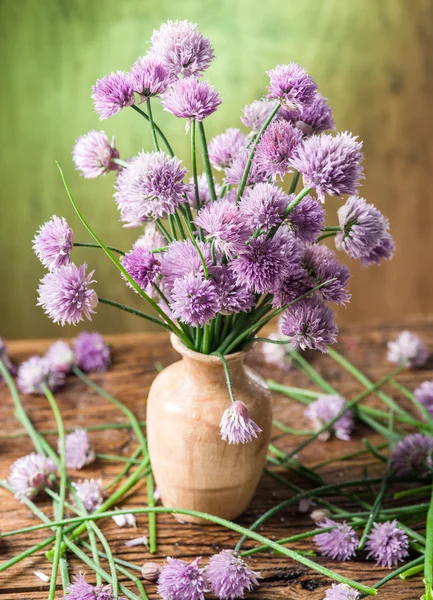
(339, 543)
(182, 259)
(195, 300)
(233, 298)
(35, 371)
(236, 426)
(93, 154)
(53, 243)
(315, 117)
(306, 220)
(235, 171)
(341, 591)
(149, 77)
(310, 324)
(181, 581)
(61, 357)
(424, 395)
(79, 451)
(90, 493)
(322, 264)
(256, 113)
(325, 408)
(408, 350)
(112, 93)
(229, 575)
(413, 455)
(203, 191)
(276, 148)
(91, 352)
(383, 251)
(142, 265)
(291, 85)
(81, 590)
(387, 544)
(224, 147)
(191, 99)
(29, 474)
(263, 206)
(65, 294)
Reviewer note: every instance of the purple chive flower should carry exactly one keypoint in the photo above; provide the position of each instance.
(181, 48)
(61, 357)
(90, 493)
(310, 324)
(150, 239)
(142, 265)
(233, 298)
(424, 395)
(315, 117)
(91, 352)
(235, 171)
(182, 259)
(229, 575)
(81, 590)
(276, 148)
(65, 295)
(330, 164)
(341, 591)
(29, 474)
(112, 93)
(93, 154)
(325, 408)
(263, 206)
(413, 454)
(338, 544)
(191, 99)
(151, 186)
(276, 354)
(4, 357)
(236, 425)
(79, 451)
(295, 282)
(383, 251)
(256, 113)
(181, 581)
(203, 191)
(321, 264)
(291, 85)
(224, 148)
(53, 243)
(149, 77)
(387, 544)
(306, 220)
(34, 372)
(195, 300)
(224, 227)
(408, 350)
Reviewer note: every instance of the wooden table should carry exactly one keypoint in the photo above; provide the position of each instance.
(134, 358)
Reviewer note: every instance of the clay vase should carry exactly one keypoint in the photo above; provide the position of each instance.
(193, 467)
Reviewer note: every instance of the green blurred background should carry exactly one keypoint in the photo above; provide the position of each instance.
(373, 59)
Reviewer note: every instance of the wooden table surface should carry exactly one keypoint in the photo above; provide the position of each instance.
(134, 358)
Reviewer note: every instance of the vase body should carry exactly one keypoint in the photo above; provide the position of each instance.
(193, 467)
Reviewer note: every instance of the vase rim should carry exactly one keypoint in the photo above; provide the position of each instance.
(180, 347)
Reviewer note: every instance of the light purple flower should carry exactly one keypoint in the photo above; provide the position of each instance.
(330, 164)
(276, 354)
(387, 544)
(79, 451)
(276, 148)
(424, 395)
(182, 49)
(291, 85)
(325, 408)
(81, 590)
(224, 148)
(341, 591)
(256, 113)
(263, 206)
(314, 117)
(233, 298)
(195, 300)
(383, 251)
(53, 243)
(4, 357)
(306, 220)
(61, 357)
(413, 455)
(91, 352)
(112, 93)
(191, 99)
(182, 259)
(181, 581)
(35, 371)
(408, 350)
(236, 425)
(142, 265)
(339, 543)
(310, 324)
(65, 294)
(203, 191)
(93, 154)
(229, 575)
(90, 493)
(151, 186)
(294, 283)
(30, 474)
(150, 239)
(235, 171)
(149, 77)
(322, 264)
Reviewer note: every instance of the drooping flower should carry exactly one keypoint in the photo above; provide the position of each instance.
(263, 205)
(314, 117)
(150, 571)
(383, 251)
(53, 243)
(424, 395)
(339, 543)
(91, 352)
(255, 114)
(181, 48)
(229, 576)
(65, 294)
(413, 455)
(93, 154)
(276, 354)
(29, 474)
(90, 493)
(341, 591)
(124, 520)
(142, 265)
(291, 85)
(150, 239)
(387, 544)
(191, 99)
(181, 581)
(150, 187)
(182, 259)
(224, 148)
(61, 357)
(149, 77)
(233, 298)
(306, 220)
(203, 191)
(322, 264)
(310, 324)
(325, 408)
(276, 148)
(112, 93)
(407, 350)
(79, 589)
(330, 164)
(79, 451)
(195, 300)
(235, 171)
(4, 357)
(236, 425)
(35, 371)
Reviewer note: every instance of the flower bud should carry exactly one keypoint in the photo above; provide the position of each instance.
(320, 514)
(150, 571)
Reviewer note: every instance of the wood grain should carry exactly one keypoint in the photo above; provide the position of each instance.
(129, 379)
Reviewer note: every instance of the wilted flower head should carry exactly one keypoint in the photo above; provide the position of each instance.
(151, 238)
(256, 113)
(53, 243)
(181, 581)
(412, 455)
(407, 350)
(263, 205)
(236, 170)
(322, 264)
(93, 154)
(233, 298)
(79, 451)
(306, 220)
(383, 251)
(91, 352)
(310, 324)
(4, 357)
(339, 543)
(203, 191)
(195, 300)
(183, 259)
(90, 493)
(81, 590)
(314, 117)
(291, 85)
(330, 164)
(112, 93)
(276, 354)
(142, 265)
(276, 147)
(325, 408)
(224, 148)
(229, 575)
(191, 99)
(149, 77)
(61, 357)
(424, 395)
(29, 474)
(341, 591)
(236, 426)
(181, 48)
(387, 544)
(65, 295)
(35, 371)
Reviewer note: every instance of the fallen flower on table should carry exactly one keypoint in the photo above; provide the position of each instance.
(30, 474)
(229, 577)
(91, 352)
(340, 543)
(61, 357)
(79, 451)
(181, 580)
(90, 493)
(81, 590)
(424, 395)
(412, 455)
(341, 591)
(276, 354)
(408, 350)
(325, 408)
(387, 544)
(35, 371)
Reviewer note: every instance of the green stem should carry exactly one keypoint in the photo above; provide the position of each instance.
(326, 235)
(227, 373)
(125, 469)
(420, 407)
(152, 516)
(290, 430)
(413, 570)
(162, 230)
(105, 545)
(89, 245)
(294, 183)
(134, 311)
(395, 573)
(287, 540)
(205, 346)
(114, 457)
(423, 490)
(152, 125)
(71, 429)
(206, 161)
(160, 133)
(428, 561)
(119, 161)
(194, 168)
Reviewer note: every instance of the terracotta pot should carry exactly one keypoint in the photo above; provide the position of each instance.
(193, 467)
